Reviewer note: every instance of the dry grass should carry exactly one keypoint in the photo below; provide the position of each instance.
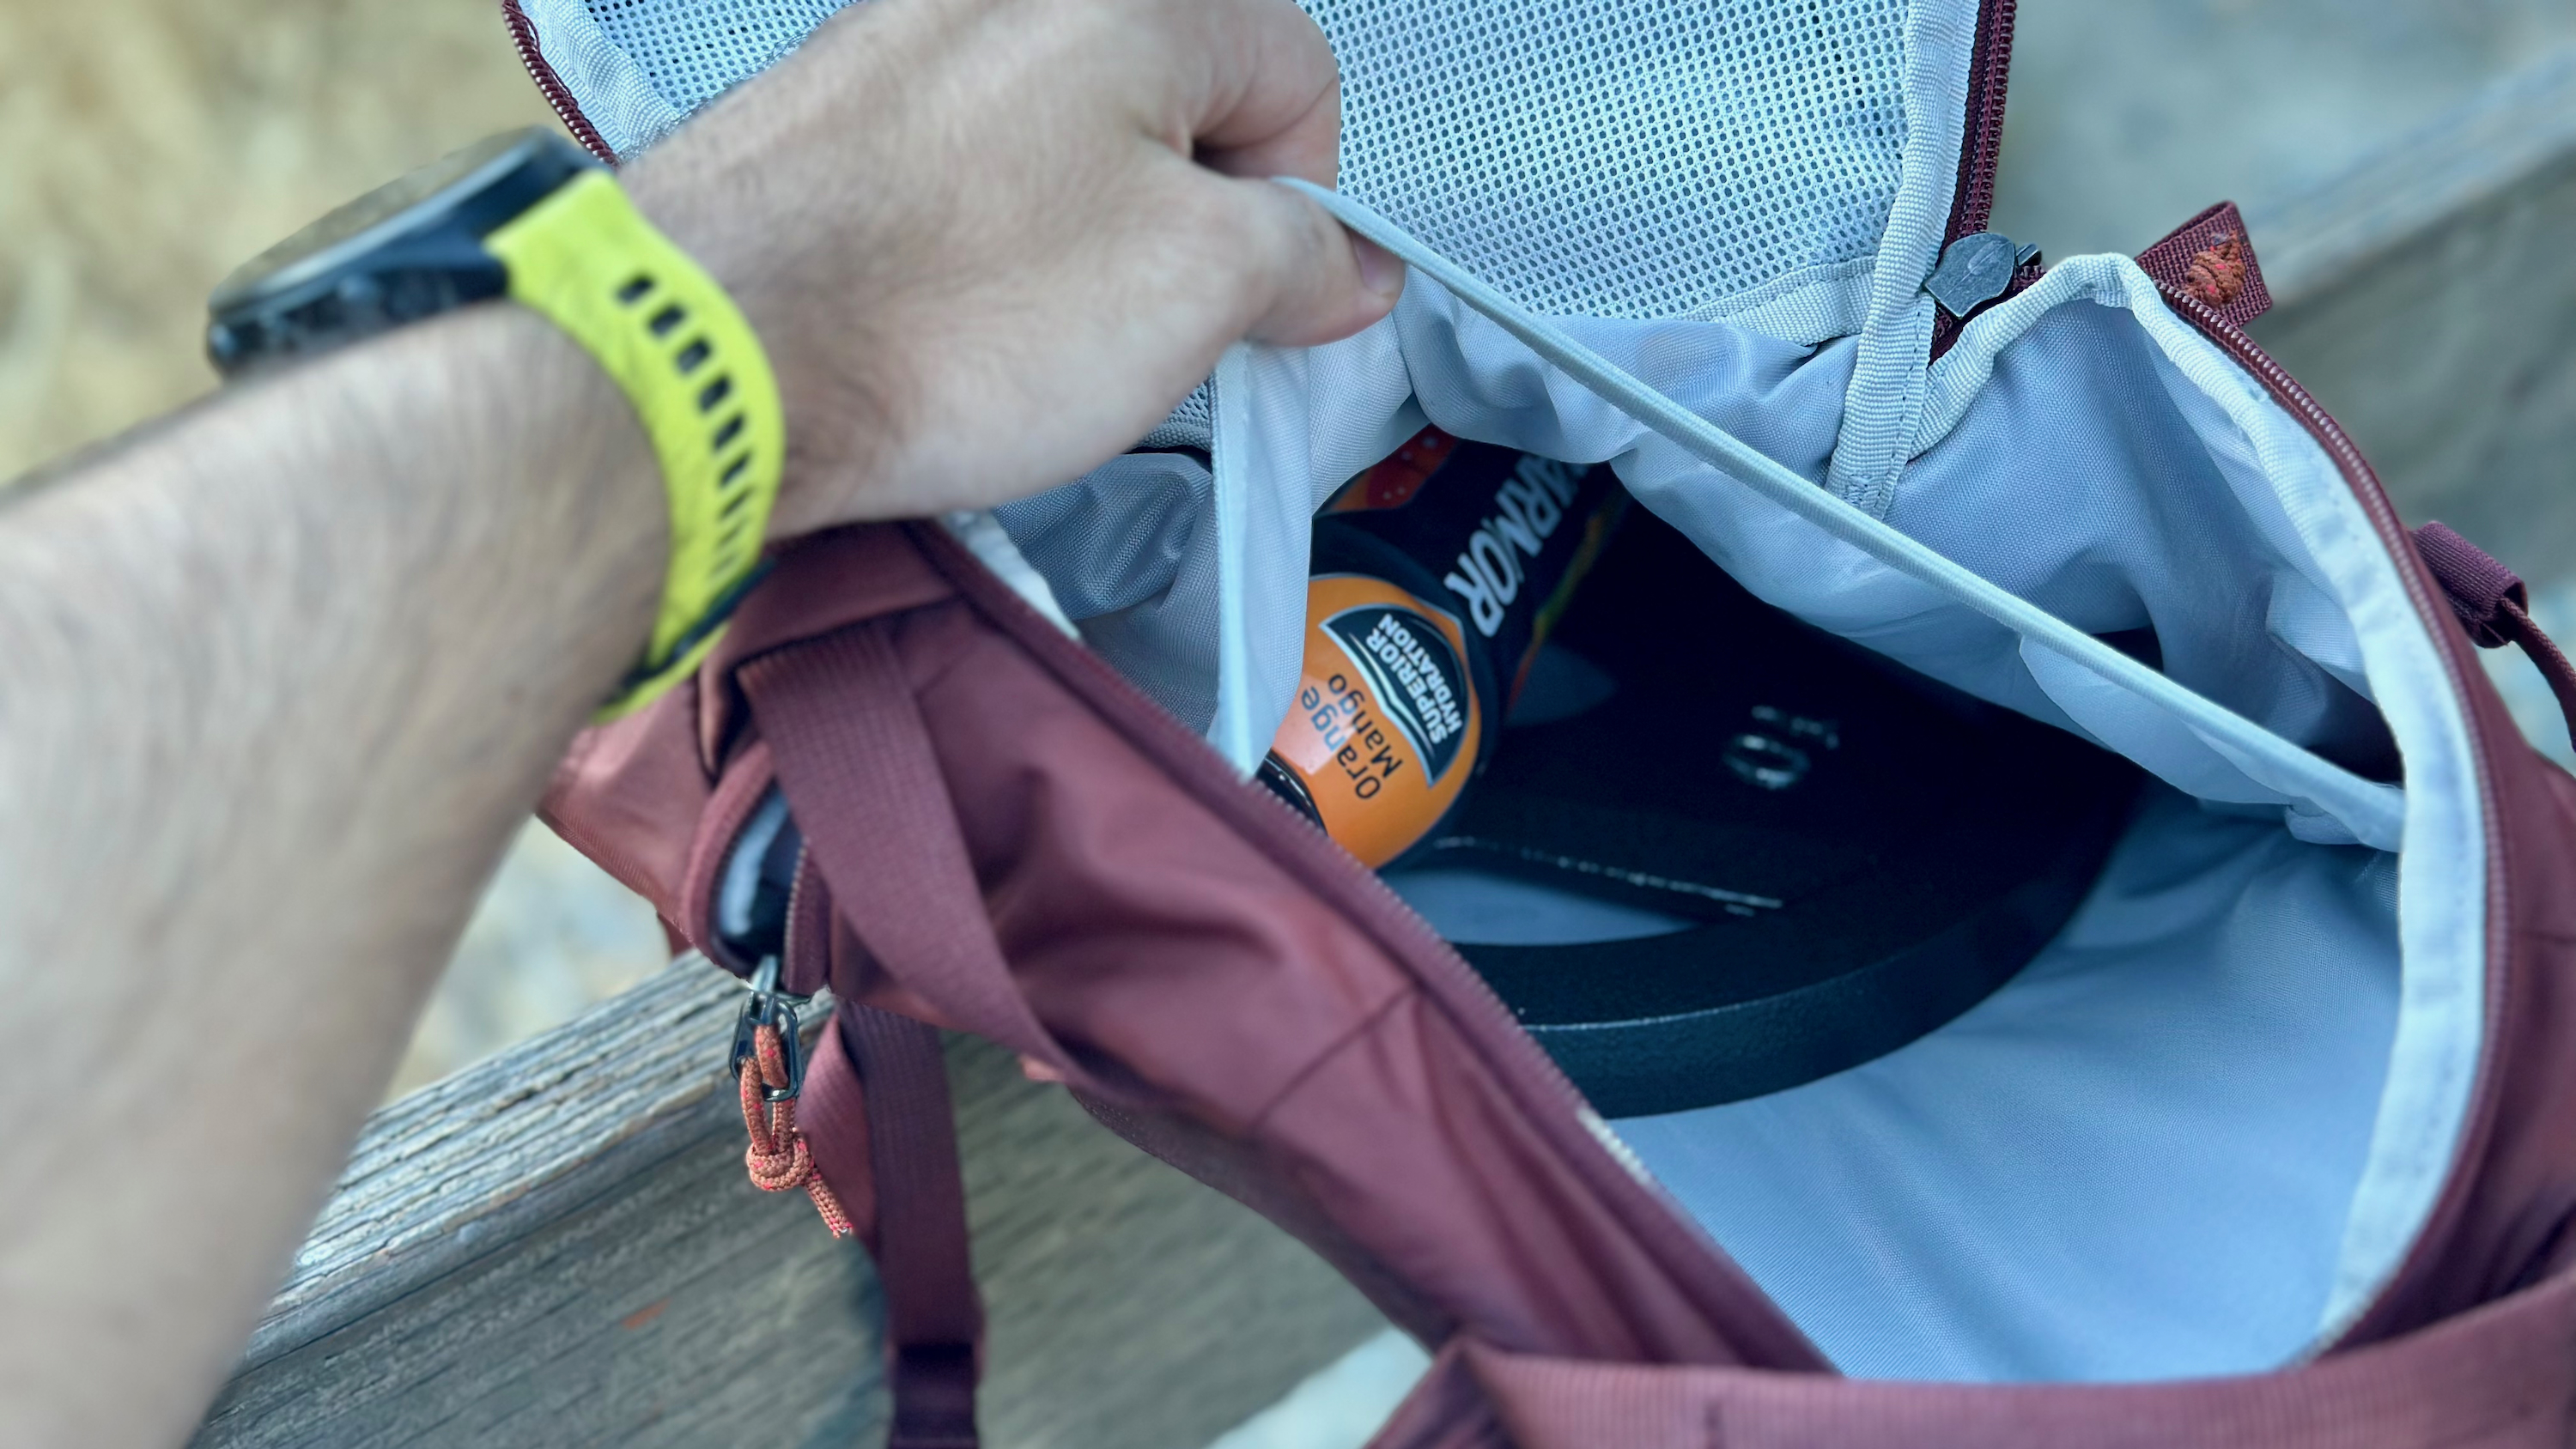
(146, 146)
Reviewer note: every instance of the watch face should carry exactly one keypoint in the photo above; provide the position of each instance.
(411, 203)
(405, 251)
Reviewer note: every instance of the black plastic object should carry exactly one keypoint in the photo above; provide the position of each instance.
(410, 249)
(1868, 854)
(1437, 574)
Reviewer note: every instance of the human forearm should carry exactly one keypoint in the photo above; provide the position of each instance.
(279, 677)
(276, 679)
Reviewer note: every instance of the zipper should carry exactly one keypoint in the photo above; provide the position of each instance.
(1989, 72)
(1981, 146)
(1657, 1224)
(2299, 403)
(523, 34)
(2434, 606)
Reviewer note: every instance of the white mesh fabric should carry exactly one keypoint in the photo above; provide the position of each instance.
(616, 96)
(694, 50)
(1621, 160)
(1603, 158)
(1191, 425)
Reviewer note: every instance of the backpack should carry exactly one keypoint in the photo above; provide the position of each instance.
(2273, 1142)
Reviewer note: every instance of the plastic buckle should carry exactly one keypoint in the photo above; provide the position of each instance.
(771, 1007)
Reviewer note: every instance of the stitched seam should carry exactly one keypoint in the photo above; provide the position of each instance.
(1360, 1031)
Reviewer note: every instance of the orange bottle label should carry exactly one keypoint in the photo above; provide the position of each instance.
(1386, 725)
(1394, 479)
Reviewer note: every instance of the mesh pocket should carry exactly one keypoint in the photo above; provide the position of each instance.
(1621, 160)
(1603, 158)
(693, 50)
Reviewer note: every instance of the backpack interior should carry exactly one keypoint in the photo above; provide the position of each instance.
(2199, 1131)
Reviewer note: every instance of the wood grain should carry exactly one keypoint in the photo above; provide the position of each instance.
(558, 1246)
(2430, 305)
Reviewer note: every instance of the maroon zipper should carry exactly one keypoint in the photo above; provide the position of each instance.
(523, 34)
(2434, 606)
(2356, 470)
(1989, 72)
(1981, 146)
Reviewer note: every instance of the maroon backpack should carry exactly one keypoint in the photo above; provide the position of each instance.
(2273, 1143)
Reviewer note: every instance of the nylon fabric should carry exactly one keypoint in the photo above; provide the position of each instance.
(2197, 495)
(934, 1318)
(2271, 523)
(924, 915)
(2297, 504)
(2496, 1378)
(2273, 765)
(1130, 553)
(2132, 1162)
(2175, 496)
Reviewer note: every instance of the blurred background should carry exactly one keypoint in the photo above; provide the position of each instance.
(148, 146)
(2407, 168)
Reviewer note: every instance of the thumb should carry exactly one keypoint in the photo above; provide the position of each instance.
(1311, 280)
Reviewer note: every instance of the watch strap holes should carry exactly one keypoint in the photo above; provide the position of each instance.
(637, 288)
(713, 394)
(692, 356)
(731, 430)
(733, 504)
(669, 317)
(734, 470)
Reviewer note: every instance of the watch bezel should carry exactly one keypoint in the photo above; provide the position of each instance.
(304, 296)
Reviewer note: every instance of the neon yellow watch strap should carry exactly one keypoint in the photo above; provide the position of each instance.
(661, 327)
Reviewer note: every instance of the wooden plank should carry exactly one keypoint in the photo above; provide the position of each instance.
(2428, 299)
(558, 1246)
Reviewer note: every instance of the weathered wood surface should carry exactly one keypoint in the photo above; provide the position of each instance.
(558, 1247)
(2428, 298)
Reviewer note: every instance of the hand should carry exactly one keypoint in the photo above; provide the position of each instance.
(991, 243)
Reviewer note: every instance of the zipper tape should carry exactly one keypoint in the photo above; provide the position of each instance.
(2374, 812)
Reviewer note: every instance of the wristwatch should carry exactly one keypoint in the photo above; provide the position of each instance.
(530, 217)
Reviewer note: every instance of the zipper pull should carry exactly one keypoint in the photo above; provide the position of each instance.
(1975, 270)
(769, 1070)
(767, 1006)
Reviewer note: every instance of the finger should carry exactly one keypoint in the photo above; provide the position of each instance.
(1273, 103)
(1308, 279)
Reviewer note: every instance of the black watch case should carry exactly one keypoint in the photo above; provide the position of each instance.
(410, 249)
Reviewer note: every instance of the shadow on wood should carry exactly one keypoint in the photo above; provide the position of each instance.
(559, 1246)
(2431, 307)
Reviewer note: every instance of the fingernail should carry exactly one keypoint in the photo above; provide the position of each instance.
(1381, 271)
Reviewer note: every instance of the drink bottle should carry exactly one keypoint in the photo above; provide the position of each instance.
(1436, 576)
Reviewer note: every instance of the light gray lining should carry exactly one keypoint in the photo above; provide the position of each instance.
(2112, 467)
(2214, 742)
(2104, 463)
(2133, 1162)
